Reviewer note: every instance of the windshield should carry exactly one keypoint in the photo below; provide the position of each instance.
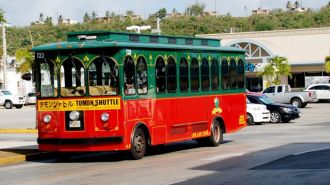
(6, 92)
(72, 78)
(46, 79)
(265, 100)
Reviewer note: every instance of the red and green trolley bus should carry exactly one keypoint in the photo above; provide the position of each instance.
(114, 91)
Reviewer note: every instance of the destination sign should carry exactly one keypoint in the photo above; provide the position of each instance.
(79, 104)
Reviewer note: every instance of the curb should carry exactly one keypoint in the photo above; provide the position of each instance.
(12, 159)
(21, 157)
(9, 130)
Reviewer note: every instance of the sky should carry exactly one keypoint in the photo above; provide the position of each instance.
(23, 12)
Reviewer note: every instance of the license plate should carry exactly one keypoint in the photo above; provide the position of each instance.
(74, 124)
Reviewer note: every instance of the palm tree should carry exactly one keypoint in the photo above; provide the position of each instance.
(327, 64)
(2, 17)
(277, 67)
(25, 61)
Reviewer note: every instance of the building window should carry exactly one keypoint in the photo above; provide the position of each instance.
(240, 76)
(129, 76)
(205, 75)
(103, 76)
(232, 74)
(160, 75)
(184, 80)
(142, 76)
(224, 74)
(194, 75)
(171, 75)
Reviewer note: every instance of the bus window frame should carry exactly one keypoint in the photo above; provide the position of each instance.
(73, 90)
(106, 90)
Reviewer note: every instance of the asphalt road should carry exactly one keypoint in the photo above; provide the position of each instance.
(277, 154)
(18, 118)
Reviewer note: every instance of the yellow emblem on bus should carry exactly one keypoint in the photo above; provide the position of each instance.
(217, 108)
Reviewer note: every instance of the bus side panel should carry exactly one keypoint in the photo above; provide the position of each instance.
(233, 111)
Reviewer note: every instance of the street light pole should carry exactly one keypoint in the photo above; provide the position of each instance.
(4, 56)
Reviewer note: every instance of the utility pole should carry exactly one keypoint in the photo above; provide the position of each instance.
(4, 55)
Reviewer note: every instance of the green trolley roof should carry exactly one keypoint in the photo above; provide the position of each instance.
(108, 39)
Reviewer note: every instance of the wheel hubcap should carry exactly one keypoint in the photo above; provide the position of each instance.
(295, 103)
(216, 133)
(138, 144)
(274, 117)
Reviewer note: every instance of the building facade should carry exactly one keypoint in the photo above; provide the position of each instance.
(305, 50)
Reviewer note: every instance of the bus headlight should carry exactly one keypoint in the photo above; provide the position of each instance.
(105, 117)
(47, 118)
(74, 115)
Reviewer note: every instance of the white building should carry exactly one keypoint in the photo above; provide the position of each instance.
(15, 84)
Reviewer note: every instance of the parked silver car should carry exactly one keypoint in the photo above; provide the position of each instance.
(322, 91)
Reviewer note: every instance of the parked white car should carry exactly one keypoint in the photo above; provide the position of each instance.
(256, 113)
(9, 100)
(322, 91)
(30, 98)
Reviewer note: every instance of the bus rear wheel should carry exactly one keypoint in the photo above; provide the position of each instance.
(216, 134)
(139, 144)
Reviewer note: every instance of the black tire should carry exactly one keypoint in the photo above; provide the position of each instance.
(8, 104)
(249, 119)
(18, 106)
(139, 144)
(275, 117)
(303, 105)
(296, 102)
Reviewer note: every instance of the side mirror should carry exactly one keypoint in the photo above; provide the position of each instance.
(27, 76)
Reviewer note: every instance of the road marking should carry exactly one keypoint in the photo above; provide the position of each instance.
(224, 156)
(313, 150)
(18, 131)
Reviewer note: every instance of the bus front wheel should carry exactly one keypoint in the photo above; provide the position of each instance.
(139, 144)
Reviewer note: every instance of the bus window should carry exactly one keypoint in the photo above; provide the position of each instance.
(215, 74)
(171, 75)
(240, 77)
(194, 75)
(47, 79)
(129, 76)
(160, 75)
(224, 73)
(142, 76)
(184, 81)
(205, 75)
(232, 74)
(103, 77)
(72, 78)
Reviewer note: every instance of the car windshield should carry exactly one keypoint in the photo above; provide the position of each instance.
(6, 92)
(265, 100)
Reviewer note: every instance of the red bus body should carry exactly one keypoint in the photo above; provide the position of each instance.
(167, 120)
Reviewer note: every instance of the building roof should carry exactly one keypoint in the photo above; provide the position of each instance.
(105, 39)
